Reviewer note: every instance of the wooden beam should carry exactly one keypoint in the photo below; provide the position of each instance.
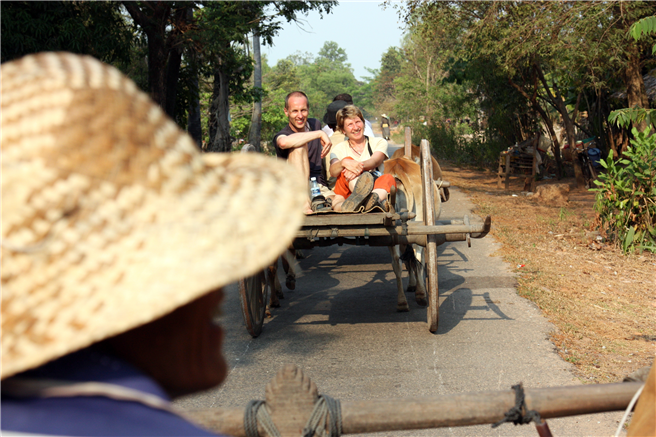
(414, 228)
(408, 142)
(386, 415)
(349, 219)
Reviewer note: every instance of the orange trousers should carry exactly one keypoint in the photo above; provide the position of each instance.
(385, 182)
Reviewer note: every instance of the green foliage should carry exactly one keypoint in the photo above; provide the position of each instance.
(643, 27)
(627, 116)
(456, 142)
(383, 88)
(626, 195)
(492, 52)
(632, 116)
(333, 53)
(93, 28)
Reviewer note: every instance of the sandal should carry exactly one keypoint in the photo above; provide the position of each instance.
(374, 201)
(362, 189)
(319, 203)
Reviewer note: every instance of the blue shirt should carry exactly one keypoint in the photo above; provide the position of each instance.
(93, 415)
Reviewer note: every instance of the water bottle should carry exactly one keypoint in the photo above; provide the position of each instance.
(315, 191)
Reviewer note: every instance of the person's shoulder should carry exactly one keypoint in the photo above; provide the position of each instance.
(314, 124)
(99, 415)
(284, 131)
(377, 142)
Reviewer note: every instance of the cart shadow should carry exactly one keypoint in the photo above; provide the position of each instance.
(465, 297)
(320, 298)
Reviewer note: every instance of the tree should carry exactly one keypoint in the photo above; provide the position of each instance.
(93, 28)
(640, 115)
(333, 53)
(225, 26)
(384, 89)
(256, 120)
(165, 24)
(552, 53)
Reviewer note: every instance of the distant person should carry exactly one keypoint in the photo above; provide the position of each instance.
(385, 126)
(368, 129)
(354, 161)
(303, 144)
(118, 236)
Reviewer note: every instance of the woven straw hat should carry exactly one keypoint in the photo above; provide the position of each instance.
(111, 218)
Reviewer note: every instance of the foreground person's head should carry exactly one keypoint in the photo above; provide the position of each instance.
(117, 231)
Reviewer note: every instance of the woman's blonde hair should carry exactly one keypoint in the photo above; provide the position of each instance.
(348, 111)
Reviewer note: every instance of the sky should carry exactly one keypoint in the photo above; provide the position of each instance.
(362, 28)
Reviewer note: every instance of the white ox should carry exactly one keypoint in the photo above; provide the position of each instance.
(409, 196)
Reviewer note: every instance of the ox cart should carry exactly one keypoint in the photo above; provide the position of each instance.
(397, 227)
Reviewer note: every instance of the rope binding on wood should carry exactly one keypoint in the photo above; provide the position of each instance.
(326, 411)
(325, 420)
(519, 415)
(256, 411)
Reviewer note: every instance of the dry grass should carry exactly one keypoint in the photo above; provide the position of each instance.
(602, 302)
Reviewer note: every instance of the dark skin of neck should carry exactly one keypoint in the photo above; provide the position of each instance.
(181, 350)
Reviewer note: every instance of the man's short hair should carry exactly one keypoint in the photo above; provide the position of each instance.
(345, 97)
(348, 111)
(296, 94)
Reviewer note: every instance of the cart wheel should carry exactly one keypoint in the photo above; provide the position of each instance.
(253, 297)
(433, 309)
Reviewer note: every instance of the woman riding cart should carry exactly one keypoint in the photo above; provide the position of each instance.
(357, 164)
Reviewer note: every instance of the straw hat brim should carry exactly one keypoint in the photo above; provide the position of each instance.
(111, 217)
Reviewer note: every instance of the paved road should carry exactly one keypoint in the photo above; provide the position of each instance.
(341, 327)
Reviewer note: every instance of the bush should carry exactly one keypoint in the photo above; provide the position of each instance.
(626, 195)
(458, 144)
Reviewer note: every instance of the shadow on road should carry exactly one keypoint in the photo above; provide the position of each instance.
(356, 285)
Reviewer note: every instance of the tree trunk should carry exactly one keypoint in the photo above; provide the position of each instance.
(548, 123)
(193, 120)
(636, 94)
(219, 123)
(558, 102)
(172, 75)
(154, 25)
(255, 131)
(157, 57)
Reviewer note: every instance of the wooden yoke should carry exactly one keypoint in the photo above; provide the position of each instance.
(291, 396)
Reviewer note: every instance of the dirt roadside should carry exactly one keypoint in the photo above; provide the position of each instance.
(602, 303)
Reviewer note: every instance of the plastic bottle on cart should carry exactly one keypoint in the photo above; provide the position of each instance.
(315, 191)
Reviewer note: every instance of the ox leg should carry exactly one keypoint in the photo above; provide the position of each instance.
(288, 266)
(274, 287)
(409, 260)
(420, 274)
(401, 302)
(412, 276)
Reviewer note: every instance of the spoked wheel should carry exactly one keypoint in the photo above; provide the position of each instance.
(433, 309)
(253, 295)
